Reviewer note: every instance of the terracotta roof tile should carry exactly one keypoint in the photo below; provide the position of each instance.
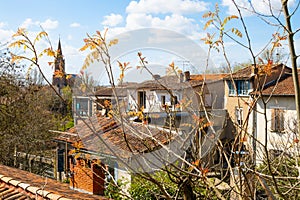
(99, 128)
(248, 72)
(108, 92)
(285, 87)
(16, 183)
(244, 73)
(208, 77)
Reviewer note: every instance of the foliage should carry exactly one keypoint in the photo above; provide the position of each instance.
(114, 191)
(285, 168)
(25, 122)
(25, 118)
(145, 189)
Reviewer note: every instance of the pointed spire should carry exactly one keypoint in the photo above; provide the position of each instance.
(59, 51)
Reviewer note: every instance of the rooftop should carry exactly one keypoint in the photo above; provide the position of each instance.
(248, 72)
(123, 140)
(19, 184)
(284, 87)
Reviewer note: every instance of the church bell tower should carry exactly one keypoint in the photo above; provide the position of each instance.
(59, 75)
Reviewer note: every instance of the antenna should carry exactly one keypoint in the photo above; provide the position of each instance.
(183, 63)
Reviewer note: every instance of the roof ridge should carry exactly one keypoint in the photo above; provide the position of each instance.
(30, 188)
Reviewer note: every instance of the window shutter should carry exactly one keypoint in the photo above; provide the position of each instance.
(273, 123)
(281, 120)
(277, 119)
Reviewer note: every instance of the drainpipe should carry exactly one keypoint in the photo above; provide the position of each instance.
(254, 131)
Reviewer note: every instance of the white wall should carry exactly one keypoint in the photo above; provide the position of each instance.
(275, 140)
(153, 99)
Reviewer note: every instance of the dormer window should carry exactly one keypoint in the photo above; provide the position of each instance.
(242, 87)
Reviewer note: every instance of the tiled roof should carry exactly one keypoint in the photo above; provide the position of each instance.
(173, 81)
(161, 83)
(244, 73)
(285, 87)
(199, 78)
(97, 129)
(19, 184)
(248, 72)
(108, 92)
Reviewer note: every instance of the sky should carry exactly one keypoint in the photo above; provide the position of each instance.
(172, 24)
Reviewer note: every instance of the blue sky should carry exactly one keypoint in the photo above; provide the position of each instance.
(72, 20)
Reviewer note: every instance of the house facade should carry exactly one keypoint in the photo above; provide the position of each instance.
(275, 119)
(238, 89)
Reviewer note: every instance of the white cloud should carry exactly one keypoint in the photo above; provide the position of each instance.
(75, 25)
(262, 7)
(112, 20)
(69, 37)
(5, 35)
(2, 24)
(174, 22)
(49, 24)
(160, 6)
(27, 23)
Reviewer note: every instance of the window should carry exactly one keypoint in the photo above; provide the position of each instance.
(82, 107)
(174, 100)
(242, 87)
(163, 100)
(208, 100)
(277, 120)
(239, 116)
(142, 99)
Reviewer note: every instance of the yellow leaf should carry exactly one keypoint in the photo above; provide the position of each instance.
(208, 23)
(236, 32)
(228, 19)
(83, 48)
(208, 14)
(172, 65)
(40, 36)
(113, 42)
(21, 31)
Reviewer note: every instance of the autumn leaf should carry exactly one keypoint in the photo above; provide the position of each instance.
(68, 76)
(58, 74)
(208, 23)
(20, 32)
(228, 18)
(204, 171)
(113, 42)
(237, 32)
(172, 65)
(40, 36)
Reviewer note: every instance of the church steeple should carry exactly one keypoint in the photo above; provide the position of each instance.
(59, 51)
(59, 59)
(59, 75)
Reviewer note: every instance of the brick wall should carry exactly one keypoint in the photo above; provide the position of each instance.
(87, 178)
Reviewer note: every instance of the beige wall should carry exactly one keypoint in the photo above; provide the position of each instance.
(232, 102)
(217, 92)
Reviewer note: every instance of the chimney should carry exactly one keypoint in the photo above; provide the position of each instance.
(187, 76)
(180, 77)
(254, 70)
(156, 76)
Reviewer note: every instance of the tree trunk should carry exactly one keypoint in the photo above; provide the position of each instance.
(188, 193)
(288, 28)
